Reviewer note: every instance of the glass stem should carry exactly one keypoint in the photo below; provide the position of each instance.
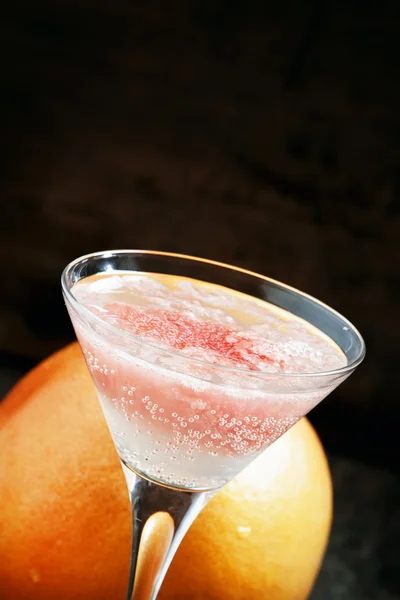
(161, 516)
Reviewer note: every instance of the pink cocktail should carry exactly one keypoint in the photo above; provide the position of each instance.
(178, 425)
(199, 367)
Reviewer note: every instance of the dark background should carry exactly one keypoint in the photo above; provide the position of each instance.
(263, 134)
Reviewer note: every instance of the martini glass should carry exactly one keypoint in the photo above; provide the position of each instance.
(183, 424)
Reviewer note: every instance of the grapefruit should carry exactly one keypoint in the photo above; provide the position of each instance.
(65, 516)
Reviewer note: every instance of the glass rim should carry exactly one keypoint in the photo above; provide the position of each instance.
(81, 309)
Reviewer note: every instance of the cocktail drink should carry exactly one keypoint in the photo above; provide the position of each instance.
(199, 367)
(171, 421)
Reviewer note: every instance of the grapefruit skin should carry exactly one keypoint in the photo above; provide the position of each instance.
(65, 515)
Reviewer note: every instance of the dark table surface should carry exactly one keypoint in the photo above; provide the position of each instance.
(363, 557)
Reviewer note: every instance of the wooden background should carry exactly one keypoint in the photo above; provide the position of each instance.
(262, 134)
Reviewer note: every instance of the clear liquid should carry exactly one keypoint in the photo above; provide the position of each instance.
(170, 418)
